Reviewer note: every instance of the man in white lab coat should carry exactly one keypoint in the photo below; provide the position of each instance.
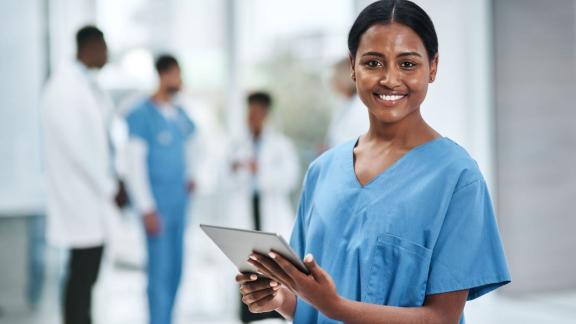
(81, 188)
(350, 120)
(265, 170)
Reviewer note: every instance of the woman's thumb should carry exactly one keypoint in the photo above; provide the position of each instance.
(313, 267)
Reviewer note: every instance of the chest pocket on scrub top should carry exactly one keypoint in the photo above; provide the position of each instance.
(399, 272)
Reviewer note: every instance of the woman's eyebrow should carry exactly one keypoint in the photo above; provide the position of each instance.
(377, 54)
(373, 54)
(409, 54)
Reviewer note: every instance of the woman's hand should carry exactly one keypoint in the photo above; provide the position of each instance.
(260, 294)
(316, 288)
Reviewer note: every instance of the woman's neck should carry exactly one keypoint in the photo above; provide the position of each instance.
(407, 133)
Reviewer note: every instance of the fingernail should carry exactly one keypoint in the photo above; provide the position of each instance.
(272, 255)
(308, 258)
(275, 288)
(253, 277)
(253, 257)
(273, 283)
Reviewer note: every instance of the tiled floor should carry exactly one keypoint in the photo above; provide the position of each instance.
(205, 297)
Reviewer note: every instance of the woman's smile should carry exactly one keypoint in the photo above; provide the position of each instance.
(390, 99)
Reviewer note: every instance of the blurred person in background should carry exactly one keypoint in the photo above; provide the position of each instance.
(81, 187)
(159, 181)
(265, 170)
(350, 120)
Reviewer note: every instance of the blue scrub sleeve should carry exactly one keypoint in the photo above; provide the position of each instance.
(189, 125)
(137, 124)
(468, 253)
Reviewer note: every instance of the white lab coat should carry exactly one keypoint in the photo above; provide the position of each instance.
(277, 176)
(349, 122)
(78, 163)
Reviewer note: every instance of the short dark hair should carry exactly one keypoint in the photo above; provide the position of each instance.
(260, 97)
(88, 34)
(404, 12)
(165, 62)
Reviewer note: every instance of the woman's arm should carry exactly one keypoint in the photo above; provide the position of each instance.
(317, 288)
(443, 308)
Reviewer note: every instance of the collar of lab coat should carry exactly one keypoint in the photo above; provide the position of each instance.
(267, 131)
(80, 66)
(89, 75)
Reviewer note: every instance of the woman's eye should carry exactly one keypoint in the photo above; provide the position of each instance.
(372, 64)
(407, 65)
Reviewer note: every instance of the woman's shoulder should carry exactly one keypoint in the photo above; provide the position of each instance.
(455, 160)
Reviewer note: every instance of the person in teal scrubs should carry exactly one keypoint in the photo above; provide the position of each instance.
(396, 226)
(160, 132)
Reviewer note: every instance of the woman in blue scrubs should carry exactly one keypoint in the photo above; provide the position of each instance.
(397, 226)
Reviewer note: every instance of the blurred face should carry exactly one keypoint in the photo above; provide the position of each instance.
(96, 53)
(171, 79)
(392, 71)
(257, 114)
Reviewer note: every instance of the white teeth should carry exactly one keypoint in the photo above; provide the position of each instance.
(391, 97)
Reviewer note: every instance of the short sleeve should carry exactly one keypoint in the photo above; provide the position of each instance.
(137, 126)
(188, 126)
(468, 253)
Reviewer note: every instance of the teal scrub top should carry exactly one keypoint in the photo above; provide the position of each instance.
(166, 141)
(423, 226)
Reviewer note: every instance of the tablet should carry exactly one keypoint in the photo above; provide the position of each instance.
(239, 244)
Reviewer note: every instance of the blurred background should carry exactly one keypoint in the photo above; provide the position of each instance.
(504, 91)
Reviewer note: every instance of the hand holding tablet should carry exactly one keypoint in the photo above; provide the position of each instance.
(239, 244)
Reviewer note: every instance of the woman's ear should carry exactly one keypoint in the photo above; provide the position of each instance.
(433, 68)
(352, 68)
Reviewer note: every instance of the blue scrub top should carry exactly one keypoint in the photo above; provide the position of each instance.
(423, 226)
(166, 139)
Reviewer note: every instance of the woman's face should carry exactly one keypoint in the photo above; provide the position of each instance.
(392, 71)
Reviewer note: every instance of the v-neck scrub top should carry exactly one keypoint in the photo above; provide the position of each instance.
(423, 226)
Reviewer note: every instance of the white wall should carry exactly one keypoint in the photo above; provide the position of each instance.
(65, 18)
(535, 65)
(23, 69)
(460, 101)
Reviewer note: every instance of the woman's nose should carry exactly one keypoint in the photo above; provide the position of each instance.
(390, 78)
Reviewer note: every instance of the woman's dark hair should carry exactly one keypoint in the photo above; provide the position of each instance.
(389, 11)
